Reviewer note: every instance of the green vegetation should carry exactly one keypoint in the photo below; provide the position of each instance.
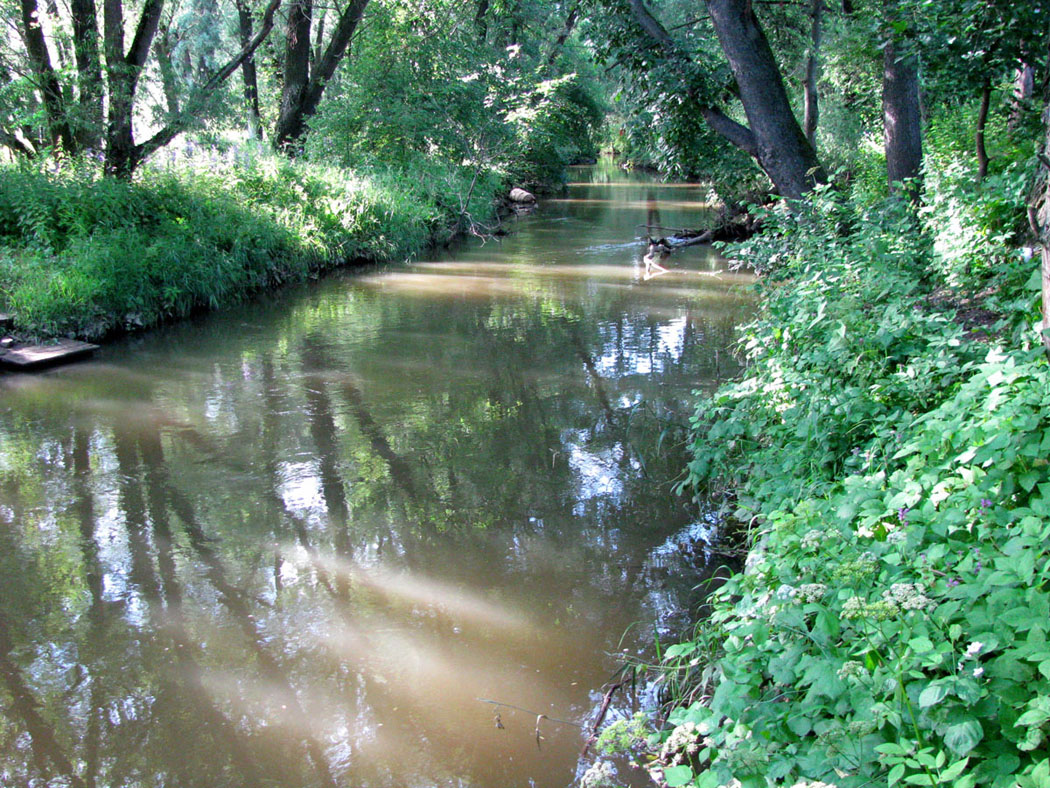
(886, 454)
(892, 622)
(408, 143)
(90, 256)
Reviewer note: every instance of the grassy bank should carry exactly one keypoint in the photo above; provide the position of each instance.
(887, 451)
(90, 257)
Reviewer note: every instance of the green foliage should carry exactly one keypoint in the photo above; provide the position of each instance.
(425, 88)
(891, 625)
(89, 256)
(973, 222)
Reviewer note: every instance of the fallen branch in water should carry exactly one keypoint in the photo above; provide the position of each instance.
(627, 674)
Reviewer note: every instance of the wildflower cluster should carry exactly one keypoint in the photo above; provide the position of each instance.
(859, 608)
(812, 539)
(908, 596)
(600, 774)
(857, 569)
(684, 743)
(811, 592)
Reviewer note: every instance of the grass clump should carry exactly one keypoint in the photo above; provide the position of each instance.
(891, 625)
(86, 256)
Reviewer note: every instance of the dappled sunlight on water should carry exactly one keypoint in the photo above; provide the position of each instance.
(364, 531)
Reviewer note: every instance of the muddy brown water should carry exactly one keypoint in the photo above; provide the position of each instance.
(362, 532)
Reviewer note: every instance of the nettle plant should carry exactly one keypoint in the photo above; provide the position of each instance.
(891, 625)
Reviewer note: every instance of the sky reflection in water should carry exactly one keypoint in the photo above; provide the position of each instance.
(295, 544)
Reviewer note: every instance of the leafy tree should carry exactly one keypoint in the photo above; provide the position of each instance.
(109, 72)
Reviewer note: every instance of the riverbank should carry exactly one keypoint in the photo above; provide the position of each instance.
(91, 257)
(886, 453)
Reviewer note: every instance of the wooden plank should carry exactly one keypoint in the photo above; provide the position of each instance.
(34, 356)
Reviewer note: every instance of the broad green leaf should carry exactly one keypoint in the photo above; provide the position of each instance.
(963, 737)
(932, 695)
(677, 775)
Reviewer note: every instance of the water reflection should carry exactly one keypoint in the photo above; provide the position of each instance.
(296, 544)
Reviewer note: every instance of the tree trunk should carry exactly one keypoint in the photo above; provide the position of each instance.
(812, 111)
(481, 22)
(1039, 219)
(563, 36)
(1024, 89)
(251, 81)
(58, 128)
(168, 79)
(982, 122)
(122, 72)
(296, 73)
(782, 149)
(901, 118)
(90, 113)
(302, 91)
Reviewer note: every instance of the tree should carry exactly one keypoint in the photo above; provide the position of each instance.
(305, 83)
(73, 113)
(772, 135)
(975, 47)
(902, 121)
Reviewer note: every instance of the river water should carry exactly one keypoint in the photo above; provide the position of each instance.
(363, 531)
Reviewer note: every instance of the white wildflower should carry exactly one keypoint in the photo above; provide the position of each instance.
(786, 592)
(600, 775)
(811, 592)
(974, 649)
(812, 539)
(909, 596)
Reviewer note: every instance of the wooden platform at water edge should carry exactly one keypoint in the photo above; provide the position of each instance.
(30, 357)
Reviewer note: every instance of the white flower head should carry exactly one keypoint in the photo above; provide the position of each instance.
(974, 649)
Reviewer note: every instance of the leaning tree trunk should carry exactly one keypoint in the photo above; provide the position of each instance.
(901, 119)
(58, 128)
(781, 147)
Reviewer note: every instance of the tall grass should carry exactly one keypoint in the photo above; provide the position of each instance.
(86, 256)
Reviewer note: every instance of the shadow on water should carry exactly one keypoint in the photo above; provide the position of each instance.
(363, 532)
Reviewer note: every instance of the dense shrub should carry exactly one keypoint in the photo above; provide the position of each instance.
(891, 625)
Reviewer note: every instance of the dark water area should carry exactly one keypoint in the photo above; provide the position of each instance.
(303, 542)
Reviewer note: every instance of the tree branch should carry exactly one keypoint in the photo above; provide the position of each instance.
(656, 31)
(736, 133)
(187, 116)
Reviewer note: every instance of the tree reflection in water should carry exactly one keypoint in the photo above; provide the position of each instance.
(293, 545)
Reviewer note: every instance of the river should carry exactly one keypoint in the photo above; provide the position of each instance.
(361, 532)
